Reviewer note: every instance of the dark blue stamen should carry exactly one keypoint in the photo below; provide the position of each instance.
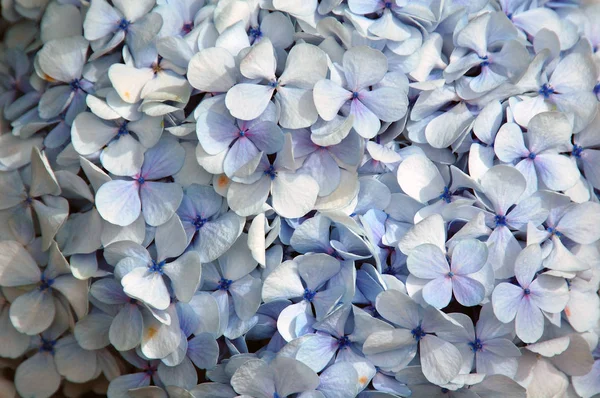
(309, 295)
(122, 130)
(553, 231)
(273, 84)
(445, 391)
(546, 91)
(355, 95)
(255, 33)
(476, 345)
(509, 16)
(243, 133)
(29, 200)
(157, 267)
(124, 24)
(46, 283)
(141, 180)
(47, 346)
(199, 222)
(577, 151)
(270, 172)
(75, 85)
(597, 89)
(446, 196)
(531, 155)
(500, 220)
(275, 395)
(450, 274)
(343, 342)
(484, 61)
(388, 4)
(418, 333)
(224, 284)
(526, 292)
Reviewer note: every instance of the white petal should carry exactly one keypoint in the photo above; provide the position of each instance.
(33, 312)
(294, 195)
(248, 101)
(185, 274)
(212, 70)
(420, 179)
(118, 202)
(37, 376)
(17, 267)
(146, 286)
(129, 81)
(440, 360)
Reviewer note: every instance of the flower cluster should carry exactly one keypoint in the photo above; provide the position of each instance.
(300, 198)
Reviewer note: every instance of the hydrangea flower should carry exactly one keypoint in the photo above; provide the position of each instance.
(209, 230)
(72, 53)
(547, 134)
(121, 202)
(429, 262)
(34, 311)
(293, 88)
(107, 26)
(528, 300)
(350, 92)
(416, 328)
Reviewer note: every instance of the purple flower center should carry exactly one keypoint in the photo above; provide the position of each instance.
(187, 27)
(47, 346)
(546, 91)
(343, 342)
(355, 95)
(224, 284)
(418, 333)
(450, 274)
(141, 180)
(75, 85)
(577, 151)
(309, 295)
(124, 24)
(199, 222)
(554, 232)
(531, 155)
(388, 4)
(157, 267)
(476, 345)
(484, 61)
(273, 84)
(597, 89)
(29, 200)
(526, 291)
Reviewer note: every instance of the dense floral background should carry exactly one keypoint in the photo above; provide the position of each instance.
(299, 198)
